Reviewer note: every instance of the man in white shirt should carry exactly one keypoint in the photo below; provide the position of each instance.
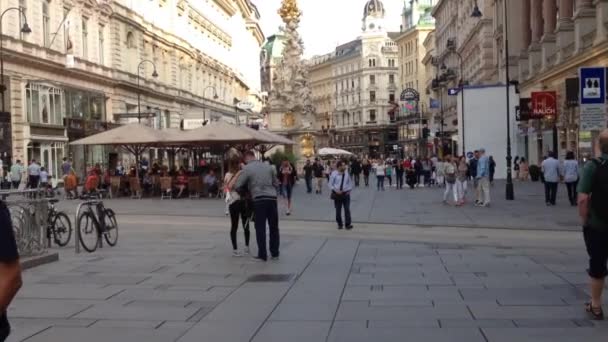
(33, 172)
(341, 185)
(551, 171)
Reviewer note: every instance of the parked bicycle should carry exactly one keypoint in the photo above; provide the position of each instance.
(96, 221)
(59, 226)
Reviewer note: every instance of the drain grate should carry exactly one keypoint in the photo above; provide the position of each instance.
(270, 278)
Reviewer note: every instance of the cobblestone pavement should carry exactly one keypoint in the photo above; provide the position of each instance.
(173, 279)
(422, 206)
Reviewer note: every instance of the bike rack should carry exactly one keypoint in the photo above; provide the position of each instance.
(77, 225)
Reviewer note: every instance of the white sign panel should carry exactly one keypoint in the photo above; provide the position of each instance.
(593, 117)
(189, 124)
(245, 105)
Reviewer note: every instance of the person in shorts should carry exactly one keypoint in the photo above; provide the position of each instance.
(10, 269)
(593, 210)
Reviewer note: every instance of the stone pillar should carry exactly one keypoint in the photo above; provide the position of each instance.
(536, 24)
(526, 37)
(565, 29)
(548, 40)
(584, 23)
(601, 15)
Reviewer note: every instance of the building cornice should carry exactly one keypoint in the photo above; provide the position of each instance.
(438, 5)
(226, 6)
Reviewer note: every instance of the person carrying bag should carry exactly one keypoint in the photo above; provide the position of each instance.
(341, 185)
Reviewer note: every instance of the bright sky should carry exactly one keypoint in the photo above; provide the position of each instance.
(326, 23)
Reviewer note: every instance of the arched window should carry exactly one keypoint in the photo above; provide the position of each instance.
(132, 59)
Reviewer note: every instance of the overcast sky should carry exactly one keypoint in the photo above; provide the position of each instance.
(326, 23)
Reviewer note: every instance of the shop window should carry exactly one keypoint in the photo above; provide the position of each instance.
(85, 105)
(44, 104)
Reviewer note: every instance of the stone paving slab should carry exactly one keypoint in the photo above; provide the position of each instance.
(103, 334)
(544, 335)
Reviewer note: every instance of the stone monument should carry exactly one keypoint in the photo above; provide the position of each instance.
(290, 112)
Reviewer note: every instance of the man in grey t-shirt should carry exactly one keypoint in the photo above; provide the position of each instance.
(551, 171)
(33, 171)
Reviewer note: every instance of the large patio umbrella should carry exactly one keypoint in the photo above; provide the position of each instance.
(335, 152)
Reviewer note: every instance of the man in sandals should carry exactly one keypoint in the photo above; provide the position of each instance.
(593, 210)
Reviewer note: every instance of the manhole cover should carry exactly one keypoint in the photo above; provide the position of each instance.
(270, 278)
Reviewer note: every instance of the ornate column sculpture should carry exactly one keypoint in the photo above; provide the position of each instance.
(584, 23)
(548, 39)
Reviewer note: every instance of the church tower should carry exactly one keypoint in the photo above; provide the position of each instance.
(373, 18)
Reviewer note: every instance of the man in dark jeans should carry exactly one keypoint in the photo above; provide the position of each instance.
(341, 186)
(262, 182)
(593, 211)
(10, 269)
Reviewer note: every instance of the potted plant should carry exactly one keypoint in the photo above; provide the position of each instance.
(535, 173)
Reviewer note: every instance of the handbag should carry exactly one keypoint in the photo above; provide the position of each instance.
(334, 196)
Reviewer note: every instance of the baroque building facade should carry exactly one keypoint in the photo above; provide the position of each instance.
(355, 88)
(417, 25)
(82, 68)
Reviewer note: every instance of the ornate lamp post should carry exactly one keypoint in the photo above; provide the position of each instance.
(24, 29)
(215, 97)
(509, 191)
(154, 74)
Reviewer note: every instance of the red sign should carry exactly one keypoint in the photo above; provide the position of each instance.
(544, 104)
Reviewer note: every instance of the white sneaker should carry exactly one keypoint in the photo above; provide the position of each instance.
(236, 254)
(246, 251)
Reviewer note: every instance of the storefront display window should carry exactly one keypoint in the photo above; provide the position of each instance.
(85, 105)
(44, 104)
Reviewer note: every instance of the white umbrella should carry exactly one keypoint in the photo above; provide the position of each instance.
(328, 151)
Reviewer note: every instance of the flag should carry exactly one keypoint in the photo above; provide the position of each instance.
(434, 103)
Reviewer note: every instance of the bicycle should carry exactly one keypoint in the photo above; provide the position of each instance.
(94, 222)
(58, 226)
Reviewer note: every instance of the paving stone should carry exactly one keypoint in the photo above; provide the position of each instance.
(545, 323)
(293, 331)
(174, 295)
(360, 311)
(347, 333)
(47, 308)
(224, 331)
(494, 311)
(119, 312)
(107, 323)
(544, 335)
(103, 334)
(66, 291)
(479, 323)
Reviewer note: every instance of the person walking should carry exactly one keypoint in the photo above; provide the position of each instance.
(286, 172)
(516, 162)
(417, 164)
(380, 174)
(426, 171)
(524, 169)
(492, 170)
(341, 185)
(260, 179)
(239, 207)
(461, 179)
(308, 173)
(33, 171)
(571, 175)
(319, 173)
(483, 179)
(593, 211)
(449, 169)
(399, 172)
(388, 172)
(551, 171)
(16, 174)
(10, 269)
(356, 168)
(440, 172)
(366, 168)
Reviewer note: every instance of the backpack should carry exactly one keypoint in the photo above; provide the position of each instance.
(599, 195)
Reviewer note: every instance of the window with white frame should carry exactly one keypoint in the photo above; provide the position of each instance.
(44, 104)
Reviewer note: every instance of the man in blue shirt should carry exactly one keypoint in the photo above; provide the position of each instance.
(483, 179)
(341, 185)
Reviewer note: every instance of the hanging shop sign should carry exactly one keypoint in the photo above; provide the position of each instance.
(544, 104)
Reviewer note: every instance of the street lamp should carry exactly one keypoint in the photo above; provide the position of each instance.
(154, 74)
(215, 97)
(24, 29)
(509, 191)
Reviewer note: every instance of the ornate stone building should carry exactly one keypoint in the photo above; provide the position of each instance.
(81, 69)
(417, 24)
(363, 88)
(557, 38)
(473, 39)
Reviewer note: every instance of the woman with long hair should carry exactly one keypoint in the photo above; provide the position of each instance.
(461, 179)
(449, 168)
(239, 207)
